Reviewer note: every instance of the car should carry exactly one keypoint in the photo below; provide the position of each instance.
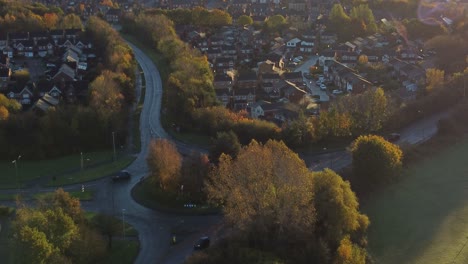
(121, 176)
(51, 65)
(318, 82)
(202, 243)
(336, 92)
(393, 137)
(323, 87)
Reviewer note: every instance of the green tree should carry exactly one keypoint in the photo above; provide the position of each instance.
(375, 160)
(275, 23)
(337, 16)
(225, 142)
(244, 20)
(195, 169)
(108, 225)
(164, 162)
(300, 131)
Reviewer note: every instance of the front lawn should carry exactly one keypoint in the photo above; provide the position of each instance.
(424, 217)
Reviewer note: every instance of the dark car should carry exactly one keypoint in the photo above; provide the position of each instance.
(393, 137)
(203, 242)
(121, 176)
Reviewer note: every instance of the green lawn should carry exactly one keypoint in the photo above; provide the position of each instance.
(28, 170)
(91, 173)
(123, 251)
(83, 196)
(424, 217)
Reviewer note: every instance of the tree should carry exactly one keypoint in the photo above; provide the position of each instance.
(71, 21)
(225, 142)
(300, 131)
(349, 253)
(265, 192)
(337, 210)
(3, 113)
(195, 168)
(108, 225)
(434, 79)
(337, 16)
(275, 23)
(164, 162)
(375, 160)
(363, 59)
(106, 98)
(244, 20)
(50, 20)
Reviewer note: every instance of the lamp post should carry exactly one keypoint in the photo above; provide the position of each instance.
(113, 144)
(123, 222)
(81, 161)
(18, 181)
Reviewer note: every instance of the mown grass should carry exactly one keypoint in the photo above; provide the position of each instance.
(424, 217)
(156, 199)
(87, 195)
(123, 252)
(30, 170)
(93, 173)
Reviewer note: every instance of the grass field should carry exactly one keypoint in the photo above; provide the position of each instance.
(28, 170)
(424, 217)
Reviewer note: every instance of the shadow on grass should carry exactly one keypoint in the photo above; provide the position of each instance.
(158, 200)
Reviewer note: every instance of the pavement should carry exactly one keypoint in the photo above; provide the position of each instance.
(313, 88)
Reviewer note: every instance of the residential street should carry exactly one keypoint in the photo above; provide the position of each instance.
(155, 227)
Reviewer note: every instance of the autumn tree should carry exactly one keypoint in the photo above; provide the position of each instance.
(164, 162)
(105, 98)
(244, 20)
(51, 20)
(434, 79)
(71, 21)
(8, 106)
(265, 192)
(271, 199)
(275, 23)
(300, 131)
(225, 142)
(337, 211)
(375, 160)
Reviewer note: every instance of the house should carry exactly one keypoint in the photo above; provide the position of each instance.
(326, 57)
(293, 93)
(347, 79)
(349, 58)
(293, 43)
(271, 83)
(4, 61)
(223, 64)
(113, 15)
(328, 38)
(38, 35)
(5, 75)
(223, 81)
(276, 60)
(25, 48)
(24, 96)
(57, 35)
(247, 80)
(223, 95)
(297, 5)
(64, 74)
(49, 88)
(17, 37)
(243, 97)
(71, 55)
(306, 47)
(45, 102)
(44, 47)
(72, 33)
(294, 77)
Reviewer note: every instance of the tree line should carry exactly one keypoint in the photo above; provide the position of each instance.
(72, 128)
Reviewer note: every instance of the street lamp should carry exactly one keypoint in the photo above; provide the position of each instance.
(81, 161)
(18, 182)
(123, 223)
(113, 144)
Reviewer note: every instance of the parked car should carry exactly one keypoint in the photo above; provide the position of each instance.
(202, 243)
(121, 176)
(323, 87)
(318, 82)
(336, 92)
